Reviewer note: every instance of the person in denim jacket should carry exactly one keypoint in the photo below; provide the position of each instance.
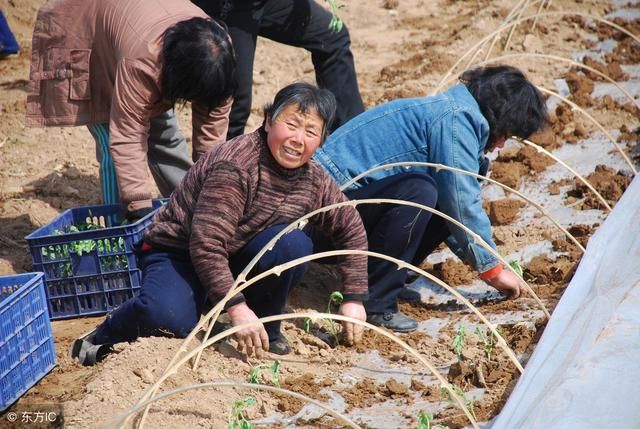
(455, 128)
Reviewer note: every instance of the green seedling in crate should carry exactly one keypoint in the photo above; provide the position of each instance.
(238, 417)
(458, 341)
(80, 246)
(335, 299)
(109, 261)
(274, 369)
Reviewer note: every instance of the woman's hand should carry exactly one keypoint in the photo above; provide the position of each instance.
(508, 283)
(352, 332)
(253, 338)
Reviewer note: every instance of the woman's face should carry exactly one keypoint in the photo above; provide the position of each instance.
(294, 136)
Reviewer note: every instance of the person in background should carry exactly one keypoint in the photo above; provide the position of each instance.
(300, 23)
(455, 128)
(231, 203)
(8, 43)
(119, 67)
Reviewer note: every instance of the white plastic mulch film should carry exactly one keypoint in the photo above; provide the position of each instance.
(585, 371)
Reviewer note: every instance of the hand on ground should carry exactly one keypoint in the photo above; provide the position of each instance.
(253, 338)
(509, 284)
(352, 332)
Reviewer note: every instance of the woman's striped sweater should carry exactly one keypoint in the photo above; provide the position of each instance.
(237, 190)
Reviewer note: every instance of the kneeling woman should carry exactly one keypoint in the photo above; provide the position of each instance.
(229, 205)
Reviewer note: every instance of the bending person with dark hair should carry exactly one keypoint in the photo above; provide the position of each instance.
(119, 67)
(455, 128)
(300, 23)
(231, 203)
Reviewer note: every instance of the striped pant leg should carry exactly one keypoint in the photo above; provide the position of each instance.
(108, 179)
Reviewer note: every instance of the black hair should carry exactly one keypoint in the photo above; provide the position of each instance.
(512, 105)
(198, 63)
(306, 96)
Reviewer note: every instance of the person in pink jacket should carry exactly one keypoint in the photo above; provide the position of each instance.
(119, 67)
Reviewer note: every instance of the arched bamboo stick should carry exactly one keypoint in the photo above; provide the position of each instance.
(119, 420)
(518, 21)
(214, 313)
(508, 18)
(210, 341)
(241, 279)
(513, 28)
(468, 173)
(401, 265)
(542, 5)
(582, 179)
(592, 119)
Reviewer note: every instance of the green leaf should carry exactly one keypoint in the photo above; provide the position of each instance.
(458, 341)
(336, 298)
(517, 267)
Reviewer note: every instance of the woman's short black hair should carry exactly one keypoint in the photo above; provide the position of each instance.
(198, 63)
(307, 97)
(512, 105)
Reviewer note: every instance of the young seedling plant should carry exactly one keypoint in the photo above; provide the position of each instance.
(517, 268)
(488, 342)
(469, 403)
(238, 417)
(335, 299)
(458, 341)
(424, 421)
(274, 369)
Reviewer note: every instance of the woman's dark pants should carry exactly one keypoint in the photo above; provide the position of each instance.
(403, 232)
(171, 298)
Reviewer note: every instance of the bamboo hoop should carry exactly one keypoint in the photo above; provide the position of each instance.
(543, 5)
(580, 177)
(518, 21)
(401, 265)
(468, 173)
(210, 341)
(508, 18)
(120, 420)
(214, 313)
(592, 119)
(513, 28)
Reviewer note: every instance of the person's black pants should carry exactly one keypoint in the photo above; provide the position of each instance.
(403, 232)
(299, 23)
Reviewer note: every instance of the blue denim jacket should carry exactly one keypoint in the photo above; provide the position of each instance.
(446, 129)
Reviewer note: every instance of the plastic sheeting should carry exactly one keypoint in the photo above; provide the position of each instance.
(585, 371)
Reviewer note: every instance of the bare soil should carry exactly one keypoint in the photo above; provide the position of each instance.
(402, 49)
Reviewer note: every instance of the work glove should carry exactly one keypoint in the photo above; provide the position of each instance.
(136, 215)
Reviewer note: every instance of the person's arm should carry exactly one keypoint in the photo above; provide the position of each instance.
(131, 102)
(346, 230)
(455, 141)
(505, 281)
(215, 220)
(209, 127)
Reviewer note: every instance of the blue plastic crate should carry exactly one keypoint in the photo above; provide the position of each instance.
(91, 271)
(26, 340)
